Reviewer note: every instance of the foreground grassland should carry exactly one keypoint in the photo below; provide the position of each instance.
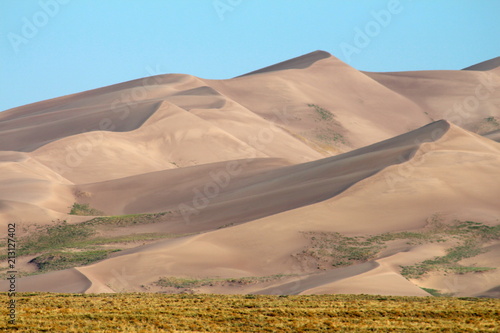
(42, 312)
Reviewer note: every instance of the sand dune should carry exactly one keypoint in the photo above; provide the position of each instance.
(255, 167)
(295, 63)
(468, 99)
(494, 135)
(238, 251)
(269, 192)
(485, 65)
(67, 281)
(363, 110)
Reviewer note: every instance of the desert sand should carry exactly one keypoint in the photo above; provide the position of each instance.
(252, 170)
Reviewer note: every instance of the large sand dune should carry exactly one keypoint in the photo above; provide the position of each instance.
(257, 169)
(467, 98)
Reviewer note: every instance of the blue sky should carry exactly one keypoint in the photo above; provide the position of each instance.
(50, 48)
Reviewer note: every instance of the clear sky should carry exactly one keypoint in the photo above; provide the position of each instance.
(50, 48)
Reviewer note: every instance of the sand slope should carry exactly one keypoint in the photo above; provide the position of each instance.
(254, 164)
(266, 246)
(239, 250)
(468, 99)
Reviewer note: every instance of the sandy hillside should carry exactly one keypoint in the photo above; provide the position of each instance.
(307, 176)
(467, 98)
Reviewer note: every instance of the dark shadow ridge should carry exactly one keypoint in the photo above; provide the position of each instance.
(301, 62)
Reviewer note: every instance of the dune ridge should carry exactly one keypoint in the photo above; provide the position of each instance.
(485, 65)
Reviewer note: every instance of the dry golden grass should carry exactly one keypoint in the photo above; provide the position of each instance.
(43, 312)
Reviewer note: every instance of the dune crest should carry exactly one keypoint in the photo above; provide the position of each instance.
(485, 65)
(300, 62)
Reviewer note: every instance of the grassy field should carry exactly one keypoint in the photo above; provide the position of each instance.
(42, 312)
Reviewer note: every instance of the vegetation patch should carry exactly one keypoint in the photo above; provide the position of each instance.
(329, 249)
(59, 241)
(124, 239)
(54, 237)
(470, 269)
(82, 235)
(492, 120)
(488, 124)
(85, 210)
(413, 238)
(62, 260)
(334, 249)
(181, 283)
(435, 292)
(473, 236)
(127, 220)
(449, 262)
(323, 113)
(329, 136)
